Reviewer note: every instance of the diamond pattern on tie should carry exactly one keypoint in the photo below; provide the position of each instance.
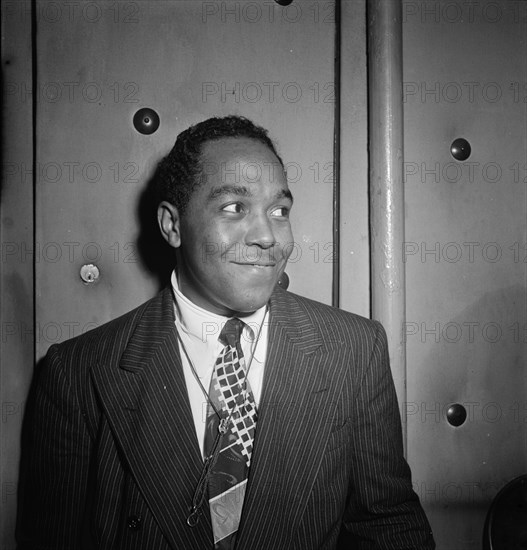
(229, 384)
(231, 394)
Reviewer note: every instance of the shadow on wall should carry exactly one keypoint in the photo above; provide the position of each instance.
(153, 251)
(24, 498)
(158, 259)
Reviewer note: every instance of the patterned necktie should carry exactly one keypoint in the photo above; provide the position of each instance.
(232, 396)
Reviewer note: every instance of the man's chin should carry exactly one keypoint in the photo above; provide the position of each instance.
(242, 308)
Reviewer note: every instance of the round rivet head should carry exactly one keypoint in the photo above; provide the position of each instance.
(456, 414)
(284, 2)
(89, 273)
(146, 121)
(460, 149)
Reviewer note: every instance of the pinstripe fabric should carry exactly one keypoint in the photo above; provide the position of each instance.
(114, 458)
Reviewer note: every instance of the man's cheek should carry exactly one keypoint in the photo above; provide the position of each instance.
(209, 249)
(287, 248)
(276, 254)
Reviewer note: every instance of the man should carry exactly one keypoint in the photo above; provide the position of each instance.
(225, 412)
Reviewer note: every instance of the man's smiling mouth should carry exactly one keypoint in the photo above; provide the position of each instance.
(257, 264)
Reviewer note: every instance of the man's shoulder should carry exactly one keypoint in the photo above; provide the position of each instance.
(115, 333)
(326, 318)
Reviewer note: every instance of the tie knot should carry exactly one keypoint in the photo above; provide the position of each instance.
(230, 335)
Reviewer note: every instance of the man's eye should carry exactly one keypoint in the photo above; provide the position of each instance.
(282, 212)
(235, 208)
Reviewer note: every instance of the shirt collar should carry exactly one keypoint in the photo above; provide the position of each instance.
(206, 326)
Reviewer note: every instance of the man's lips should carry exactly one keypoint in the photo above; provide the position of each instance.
(255, 264)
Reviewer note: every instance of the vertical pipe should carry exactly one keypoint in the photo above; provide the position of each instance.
(335, 299)
(386, 180)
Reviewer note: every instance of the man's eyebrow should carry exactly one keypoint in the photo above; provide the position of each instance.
(237, 190)
(242, 191)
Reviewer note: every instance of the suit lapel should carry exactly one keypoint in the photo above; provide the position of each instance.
(294, 418)
(146, 402)
(145, 399)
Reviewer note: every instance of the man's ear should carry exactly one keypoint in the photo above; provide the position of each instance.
(169, 223)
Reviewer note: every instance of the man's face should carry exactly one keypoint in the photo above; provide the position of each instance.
(235, 233)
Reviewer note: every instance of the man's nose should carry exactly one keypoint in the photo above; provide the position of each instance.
(260, 232)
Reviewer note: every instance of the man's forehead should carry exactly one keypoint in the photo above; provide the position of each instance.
(234, 149)
(233, 160)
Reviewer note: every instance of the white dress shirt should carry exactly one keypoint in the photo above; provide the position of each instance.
(199, 330)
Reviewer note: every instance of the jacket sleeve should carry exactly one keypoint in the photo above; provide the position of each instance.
(383, 511)
(55, 462)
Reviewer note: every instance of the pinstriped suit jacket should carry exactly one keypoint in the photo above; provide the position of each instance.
(114, 459)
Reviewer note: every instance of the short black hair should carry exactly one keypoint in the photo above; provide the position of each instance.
(181, 171)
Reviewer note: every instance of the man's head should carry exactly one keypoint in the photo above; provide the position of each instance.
(224, 207)
(182, 170)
